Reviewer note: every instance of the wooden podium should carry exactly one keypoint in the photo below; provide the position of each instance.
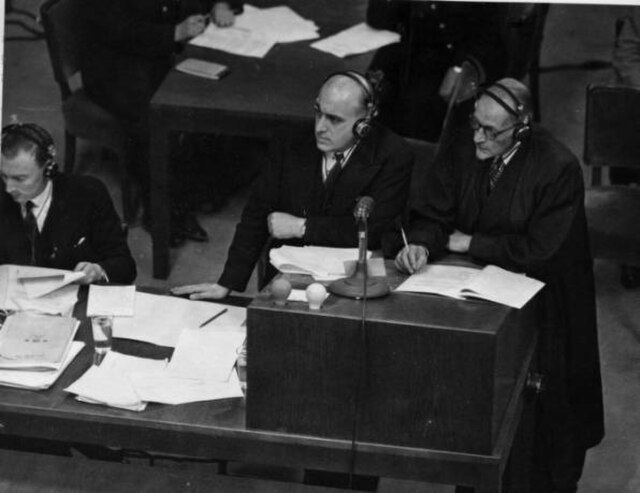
(438, 373)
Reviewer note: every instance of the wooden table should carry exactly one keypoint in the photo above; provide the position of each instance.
(217, 429)
(262, 98)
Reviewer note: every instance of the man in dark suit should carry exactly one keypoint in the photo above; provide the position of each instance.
(128, 49)
(509, 194)
(308, 198)
(53, 220)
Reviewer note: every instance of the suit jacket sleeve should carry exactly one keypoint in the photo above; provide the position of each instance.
(389, 189)
(252, 232)
(108, 239)
(559, 197)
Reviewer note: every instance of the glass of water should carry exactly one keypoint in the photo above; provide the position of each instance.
(102, 328)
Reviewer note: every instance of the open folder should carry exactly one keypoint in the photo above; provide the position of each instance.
(490, 283)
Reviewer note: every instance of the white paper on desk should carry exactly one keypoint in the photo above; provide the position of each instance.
(13, 294)
(446, 280)
(118, 301)
(234, 40)
(109, 383)
(40, 281)
(320, 262)
(39, 380)
(355, 40)
(280, 24)
(160, 319)
(168, 388)
(502, 286)
(206, 354)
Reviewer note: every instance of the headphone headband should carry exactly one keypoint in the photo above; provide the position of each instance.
(519, 107)
(45, 147)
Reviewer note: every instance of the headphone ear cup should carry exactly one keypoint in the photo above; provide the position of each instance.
(521, 132)
(361, 128)
(50, 169)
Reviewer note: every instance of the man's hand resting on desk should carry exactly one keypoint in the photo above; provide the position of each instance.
(92, 273)
(202, 291)
(222, 15)
(459, 242)
(412, 258)
(284, 226)
(190, 27)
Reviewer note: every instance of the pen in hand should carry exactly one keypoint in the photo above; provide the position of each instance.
(206, 322)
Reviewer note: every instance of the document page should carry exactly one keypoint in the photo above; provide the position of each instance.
(446, 280)
(502, 286)
(355, 40)
(160, 319)
(118, 301)
(320, 262)
(39, 281)
(234, 40)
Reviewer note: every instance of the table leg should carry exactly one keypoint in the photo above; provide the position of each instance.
(159, 180)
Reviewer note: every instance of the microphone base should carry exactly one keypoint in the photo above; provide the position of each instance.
(353, 287)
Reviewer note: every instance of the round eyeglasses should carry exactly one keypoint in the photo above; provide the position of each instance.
(489, 132)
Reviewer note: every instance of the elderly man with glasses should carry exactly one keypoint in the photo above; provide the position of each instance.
(507, 193)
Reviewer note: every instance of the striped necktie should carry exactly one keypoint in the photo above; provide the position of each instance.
(495, 171)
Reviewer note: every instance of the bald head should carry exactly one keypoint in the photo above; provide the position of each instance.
(514, 95)
(340, 103)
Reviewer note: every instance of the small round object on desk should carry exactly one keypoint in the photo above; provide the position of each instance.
(316, 294)
(280, 290)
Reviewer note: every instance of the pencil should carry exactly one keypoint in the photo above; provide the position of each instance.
(206, 322)
(404, 237)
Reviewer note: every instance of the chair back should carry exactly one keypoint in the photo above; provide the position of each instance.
(612, 128)
(61, 20)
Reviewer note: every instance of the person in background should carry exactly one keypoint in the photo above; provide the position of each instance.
(308, 198)
(129, 48)
(505, 192)
(626, 65)
(50, 219)
(435, 37)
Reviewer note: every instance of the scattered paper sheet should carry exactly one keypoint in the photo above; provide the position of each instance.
(323, 263)
(167, 388)
(118, 301)
(234, 40)
(109, 383)
(446, 280)
(280, 24)
(39, 281)
(206, 354)
(39, 380)
(13, 295)
(355, 40)
(160, 319)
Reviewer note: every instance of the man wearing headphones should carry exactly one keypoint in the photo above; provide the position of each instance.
(511, 195)
(309, 197)
(53, 220)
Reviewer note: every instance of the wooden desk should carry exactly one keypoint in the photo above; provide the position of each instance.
(218, 430)
(262, 98)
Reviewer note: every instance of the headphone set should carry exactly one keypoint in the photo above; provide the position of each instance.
(522, 129)
(45, 147)
(362, 126)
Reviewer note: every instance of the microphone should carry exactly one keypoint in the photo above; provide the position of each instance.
(359, 285)
(363, 208)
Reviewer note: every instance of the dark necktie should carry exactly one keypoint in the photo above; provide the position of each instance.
(332, 176)
(495, 171)
(31, 225)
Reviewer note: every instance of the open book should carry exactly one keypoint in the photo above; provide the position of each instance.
(35, 342)
(490, 283)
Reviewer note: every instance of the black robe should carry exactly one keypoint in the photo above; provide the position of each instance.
(532, 222)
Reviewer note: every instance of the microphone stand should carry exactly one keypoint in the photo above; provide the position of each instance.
(360, 284)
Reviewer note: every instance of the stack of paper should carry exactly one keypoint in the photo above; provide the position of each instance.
(109, 383)
(117, 301)
(323, 263)
(491, 283)
(355, 40)
(256, 30)
(39, 380)
(36, 349)
(160, 319)
(38, 289)
(36, 342)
